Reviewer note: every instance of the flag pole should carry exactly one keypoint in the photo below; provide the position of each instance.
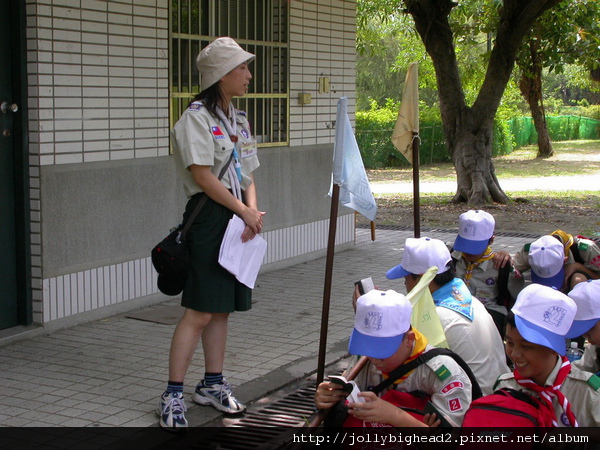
(416, 194)
(335, 195)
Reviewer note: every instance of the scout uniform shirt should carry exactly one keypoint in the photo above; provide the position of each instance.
(200, 138)
(441, 377)
(589, 361)
(580, 388)
(471, 332)
(483, 281)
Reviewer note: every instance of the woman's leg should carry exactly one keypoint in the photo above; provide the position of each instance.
(185, 340)
(214, 341)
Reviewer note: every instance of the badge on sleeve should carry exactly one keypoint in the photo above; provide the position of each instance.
(454, 404)
(451, 387)
(217, 133)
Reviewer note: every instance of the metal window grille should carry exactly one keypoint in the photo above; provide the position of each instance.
(261, 27)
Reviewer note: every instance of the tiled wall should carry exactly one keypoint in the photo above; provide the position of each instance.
(322, 44)
(98, 80)
(104, 286)
(98, 91)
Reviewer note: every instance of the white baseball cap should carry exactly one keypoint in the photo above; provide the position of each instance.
(544, 315)
(219, 58)
(587, 297)
(382, 318)
(547, 260)
(475, 229)
(419, 255)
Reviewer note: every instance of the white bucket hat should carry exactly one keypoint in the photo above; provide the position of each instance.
(382, 318)
(219, 58)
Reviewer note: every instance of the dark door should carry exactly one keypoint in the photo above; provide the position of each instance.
(9, 172)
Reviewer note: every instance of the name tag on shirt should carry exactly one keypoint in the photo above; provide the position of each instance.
(248, 148)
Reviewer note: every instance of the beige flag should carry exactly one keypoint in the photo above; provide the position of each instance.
(408, 114)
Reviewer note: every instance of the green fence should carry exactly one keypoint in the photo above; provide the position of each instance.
(378, 151)
(560, 128)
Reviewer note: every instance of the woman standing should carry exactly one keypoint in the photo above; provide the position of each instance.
(210, 135)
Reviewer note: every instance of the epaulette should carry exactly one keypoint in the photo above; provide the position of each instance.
(440, 370)
(594, 382)
(583, 246)
(241, 113)
(526, 247)
(195, 106)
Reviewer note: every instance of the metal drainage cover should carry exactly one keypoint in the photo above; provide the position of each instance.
(267, 426)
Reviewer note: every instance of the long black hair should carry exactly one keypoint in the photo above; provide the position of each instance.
(211, 98)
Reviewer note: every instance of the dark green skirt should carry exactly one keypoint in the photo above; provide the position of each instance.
(210, 288)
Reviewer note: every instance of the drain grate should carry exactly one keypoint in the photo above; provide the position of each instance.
(268, 427)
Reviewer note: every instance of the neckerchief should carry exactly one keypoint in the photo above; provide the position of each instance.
(566, 239)
(487, 255)
(455, 295)
(547, 393)
(235, 170)
(418, 349)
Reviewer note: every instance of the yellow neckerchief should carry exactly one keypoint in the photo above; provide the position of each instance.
(418, 348)
(566, 239)
(487, 255)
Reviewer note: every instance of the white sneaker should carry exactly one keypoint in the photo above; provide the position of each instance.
(218, 395)
(171, 409)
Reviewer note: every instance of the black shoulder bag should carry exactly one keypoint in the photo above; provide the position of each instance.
(170, 257)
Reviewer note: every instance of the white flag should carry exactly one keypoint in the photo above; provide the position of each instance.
(348, 169)
(408, 115)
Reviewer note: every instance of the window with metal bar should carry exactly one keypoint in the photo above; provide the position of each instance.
(260, 27)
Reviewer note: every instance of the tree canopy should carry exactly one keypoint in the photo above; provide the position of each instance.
(487, 34)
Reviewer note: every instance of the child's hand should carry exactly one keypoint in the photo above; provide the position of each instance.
(431, 420)
(328, 394)
(500, 259)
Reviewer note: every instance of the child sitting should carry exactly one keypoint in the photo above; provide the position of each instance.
(496, 285)
(587, 323)
(536, 344)
(383, 333)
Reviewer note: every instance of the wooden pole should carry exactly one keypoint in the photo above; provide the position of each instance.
(335, 196)
(416, 194)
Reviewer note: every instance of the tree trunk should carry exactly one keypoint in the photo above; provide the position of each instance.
(476, 175)
(531, 89)
(468, 130)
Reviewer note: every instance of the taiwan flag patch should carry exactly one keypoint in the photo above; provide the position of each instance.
(217, 133)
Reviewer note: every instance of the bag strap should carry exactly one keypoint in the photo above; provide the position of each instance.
(402, 370)
(504, 298)
(201, 203)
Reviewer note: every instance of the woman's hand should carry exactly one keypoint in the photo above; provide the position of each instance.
(328, 394)
(254, 223)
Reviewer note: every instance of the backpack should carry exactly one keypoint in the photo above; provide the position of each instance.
(507, 408)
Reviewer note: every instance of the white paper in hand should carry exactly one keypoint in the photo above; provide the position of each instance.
(242, 259)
